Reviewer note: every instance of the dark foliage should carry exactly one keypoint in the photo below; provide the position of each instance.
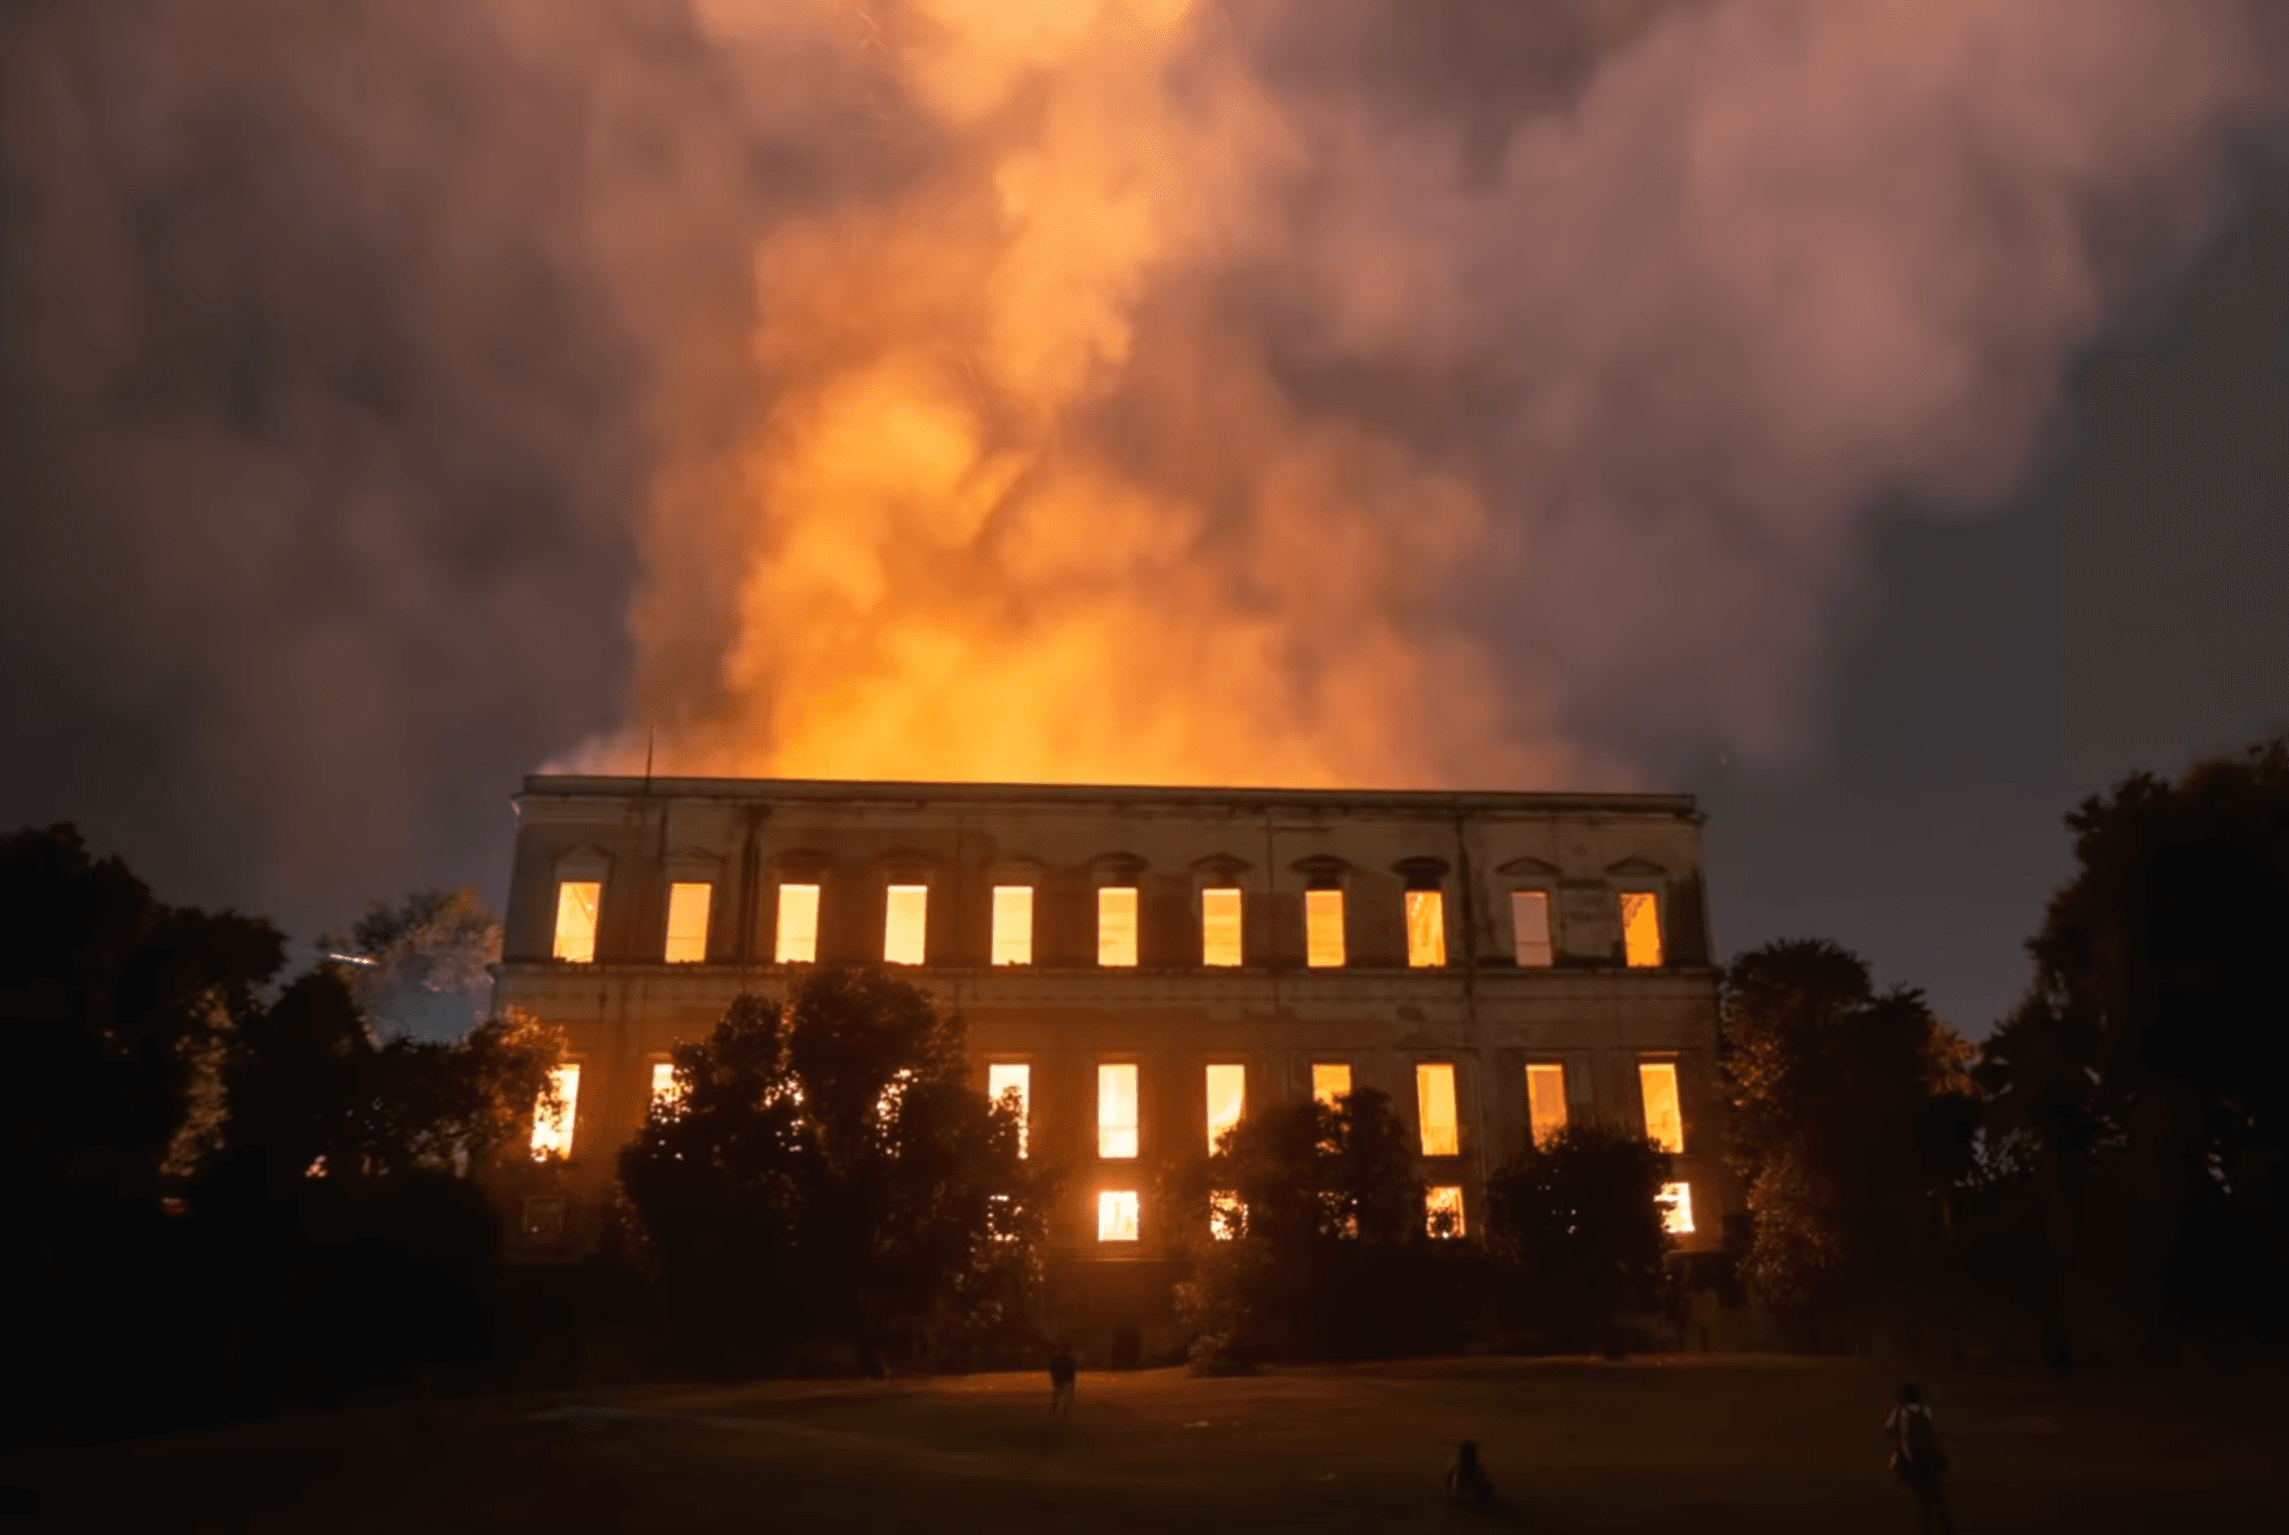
(829, 1173)
(2132, 1179)
(1325, 1251)
(1574, 1228)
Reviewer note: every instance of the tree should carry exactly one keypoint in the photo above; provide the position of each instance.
(419, 965)
(1851, 1116)
(827, 1168)
(1574, 1226)
(2137, 1112)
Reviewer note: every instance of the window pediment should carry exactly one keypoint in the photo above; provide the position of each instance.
(1529, 868)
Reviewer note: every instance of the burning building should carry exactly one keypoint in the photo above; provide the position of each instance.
(1141, 965)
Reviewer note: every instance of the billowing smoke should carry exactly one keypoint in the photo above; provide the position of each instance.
(401, 392)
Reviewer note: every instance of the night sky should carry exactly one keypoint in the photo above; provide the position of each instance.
(322, 469)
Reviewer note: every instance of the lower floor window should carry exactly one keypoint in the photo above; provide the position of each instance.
(1117, 1215)
(544, 1215)
(1443, 1211)
(1677, 1209)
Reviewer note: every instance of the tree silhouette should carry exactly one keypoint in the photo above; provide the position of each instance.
(1574, 1225)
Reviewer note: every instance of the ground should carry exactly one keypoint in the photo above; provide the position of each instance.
(1700, 1443)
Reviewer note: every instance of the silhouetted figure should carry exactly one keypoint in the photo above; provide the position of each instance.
(1062, 1373)
(1918, 1460)
(1466, 1479)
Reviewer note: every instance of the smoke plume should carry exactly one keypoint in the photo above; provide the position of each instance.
(1406, 392)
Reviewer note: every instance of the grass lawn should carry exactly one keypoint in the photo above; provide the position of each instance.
(1700, 1443)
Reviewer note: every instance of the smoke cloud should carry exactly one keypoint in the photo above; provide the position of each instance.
(1404, 392)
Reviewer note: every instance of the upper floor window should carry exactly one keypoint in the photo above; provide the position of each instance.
(1116, 1110)
(1426, 928)
(1116, 924)
(1013, 1081)
(1641, 929)
(1220, 927)
(1013, 924)
(577, 901)
(1664, 1118)
(797, 942)
(1546, 1101)
(1530, 926)
(1435, 1108)
(1227, 1097)
(687, 923)
(905, 924)
(1323, 929)
(552, 1123)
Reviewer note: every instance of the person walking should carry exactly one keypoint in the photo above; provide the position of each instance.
(1062, 1373)
(1918, 1460)
(1467, 1481)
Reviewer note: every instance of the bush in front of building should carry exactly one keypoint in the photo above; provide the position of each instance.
(826, 1176)
(1574, 1230)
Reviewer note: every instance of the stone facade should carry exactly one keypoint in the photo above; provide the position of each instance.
(1063, 1015)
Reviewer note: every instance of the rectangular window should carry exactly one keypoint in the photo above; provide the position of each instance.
(1013, 924)
(1641, 929)
(1227, 1096)
(1220, 927)
(1546, 1102)
(1677, 1209)
(1227, 1217)
(1323, 929)
(1434, 1102)
(552, 1126)
(1117, 925)
(667, 1092)
(544, 1217)
(1330, 1080)
(1442, 1211)
(1664, 1120)
(687, 923)
(1530, 927)
(798, 941)
(1117, 1215)
(905, 922)
(1005, 1079)
(576, 904)
(1426, 928)
(1116, 1111)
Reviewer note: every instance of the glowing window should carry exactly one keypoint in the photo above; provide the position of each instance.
(1677, 1209)
(1442, 1211)
(1330, 1081)
(1434, 1103)
(1426, 928)
(687, 923)
(1117, 925)
(667, 1092)
(1013, 924)
(905, 920)
(798, 940)
(1005, 1078)
(1116, 1111)
(1530, 927)
(1546, 1101)
(1227, 1217)
(1641, 929)
(1117, 1215)
(552, 1126)
(1227, 1095)
(1664, 1120)
(1220, 927)
(576, 904)
(1323, 929)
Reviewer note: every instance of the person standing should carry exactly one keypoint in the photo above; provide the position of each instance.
(1918, 1460)
(1062, 1373)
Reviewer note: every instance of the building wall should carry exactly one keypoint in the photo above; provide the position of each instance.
(1170, 1014)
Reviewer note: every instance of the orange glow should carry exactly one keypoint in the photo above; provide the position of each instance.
(1330, 1081)
(1546, 1101)
(1117, 925)
(798, 936)
(553, 1123)
(1220, 927)
(1641, 929)
(1227, 1216)
(1530, 927)
(1116, 1110)
(1013, 924)
(1323, 929)
(687, 923)
(1426, 928)
(1442, 1211)
(1434, 1102)
(1677, 1209)
(1014, 1080)
(667, 1092)
(1227, 1096)
(577, 901)
(1664, 1118)
(1117, 1215)
(905, 924)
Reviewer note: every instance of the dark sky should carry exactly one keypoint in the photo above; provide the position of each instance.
(318, 459)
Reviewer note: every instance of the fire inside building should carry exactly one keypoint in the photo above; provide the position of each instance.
(1141, 965)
